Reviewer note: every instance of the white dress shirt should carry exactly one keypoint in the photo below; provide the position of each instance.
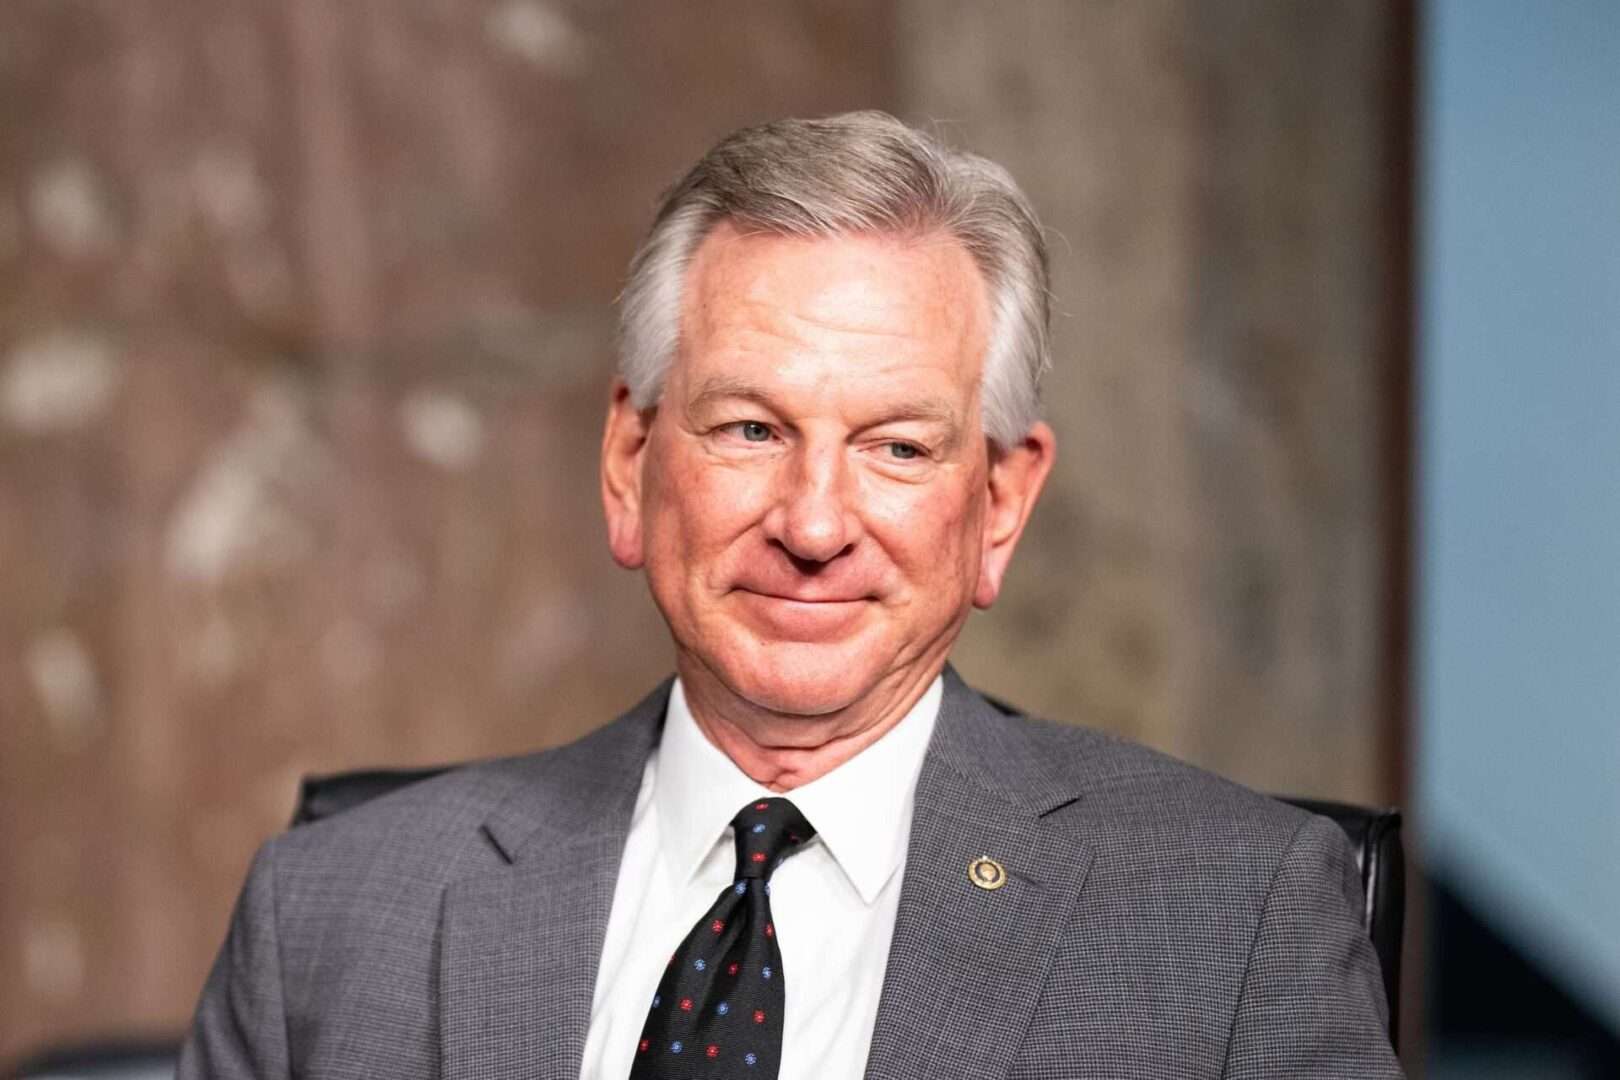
(833, 901)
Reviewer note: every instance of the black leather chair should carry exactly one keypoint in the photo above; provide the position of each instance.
(322, 796)
(135, 1060)
(1375, 837)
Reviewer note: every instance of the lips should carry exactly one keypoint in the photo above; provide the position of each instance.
(804, 598)
(800, 616)
(806, 590)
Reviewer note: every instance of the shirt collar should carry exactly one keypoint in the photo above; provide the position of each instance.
(861, 810)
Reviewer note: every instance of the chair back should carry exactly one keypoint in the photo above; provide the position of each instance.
(140, 1060)
(1375, 837)
(322, 796)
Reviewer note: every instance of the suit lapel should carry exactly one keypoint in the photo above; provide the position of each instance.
(967, 964)
(519, 946)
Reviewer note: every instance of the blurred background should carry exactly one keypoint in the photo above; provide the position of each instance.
(305, 334)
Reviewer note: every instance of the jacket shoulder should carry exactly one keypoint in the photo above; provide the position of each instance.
(1146, 801)
(429, 833)
(1208, 914)
(427, 817)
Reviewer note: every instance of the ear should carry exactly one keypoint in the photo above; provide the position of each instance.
(624, 441)
(1016, 478)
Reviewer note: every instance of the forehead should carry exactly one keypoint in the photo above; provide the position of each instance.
(870, 302)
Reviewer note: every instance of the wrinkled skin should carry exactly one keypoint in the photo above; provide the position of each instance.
(813, 499)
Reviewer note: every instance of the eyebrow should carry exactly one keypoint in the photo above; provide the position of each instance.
(726, 387)
(721, 387)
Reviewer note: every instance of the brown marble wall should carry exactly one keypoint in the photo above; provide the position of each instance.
(1210, 569)
(304, 330)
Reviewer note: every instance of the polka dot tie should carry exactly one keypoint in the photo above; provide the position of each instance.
(717, 1012)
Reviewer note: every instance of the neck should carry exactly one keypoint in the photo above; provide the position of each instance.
(784, 751)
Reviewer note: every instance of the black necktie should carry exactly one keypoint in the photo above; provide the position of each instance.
(718, 1010)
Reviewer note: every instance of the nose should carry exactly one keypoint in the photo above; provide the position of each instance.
(812, 516)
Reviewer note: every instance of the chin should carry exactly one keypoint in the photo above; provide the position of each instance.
(799, 679)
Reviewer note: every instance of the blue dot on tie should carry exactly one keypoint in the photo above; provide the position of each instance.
(767, 888)
(675, 1047)
(749, 1059)
(766, 973)
(699, 964)
(722, 1008)
(759, 828)
(657, 1001)
(742, 887)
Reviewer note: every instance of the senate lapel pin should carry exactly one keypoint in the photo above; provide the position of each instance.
(986, 873)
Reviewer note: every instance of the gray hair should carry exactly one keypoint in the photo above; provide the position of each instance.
(859, 172)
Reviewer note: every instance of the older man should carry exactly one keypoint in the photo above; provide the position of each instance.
(815, 852)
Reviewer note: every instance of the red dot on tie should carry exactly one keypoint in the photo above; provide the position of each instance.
(758, 856)
(713, 1051)
(644, 1044)
(731, 969)
(770, 929)
(761, 806)
(717, 926)
(686, 1004)
(759, 1016)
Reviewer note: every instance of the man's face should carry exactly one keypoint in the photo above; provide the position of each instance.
(814, 499)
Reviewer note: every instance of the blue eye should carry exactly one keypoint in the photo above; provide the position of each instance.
(754, 431)
(903, 451)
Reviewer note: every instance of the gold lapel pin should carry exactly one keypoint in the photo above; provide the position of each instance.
(986, 873)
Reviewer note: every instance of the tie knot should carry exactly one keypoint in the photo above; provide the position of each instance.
(768, 831)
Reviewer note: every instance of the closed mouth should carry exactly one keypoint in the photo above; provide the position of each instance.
(805, 599)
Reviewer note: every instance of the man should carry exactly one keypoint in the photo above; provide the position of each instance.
(816, 853)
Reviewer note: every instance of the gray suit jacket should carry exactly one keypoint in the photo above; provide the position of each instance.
(1157, 922)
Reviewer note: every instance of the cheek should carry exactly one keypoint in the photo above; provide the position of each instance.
(935, 530)
(696, 507)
